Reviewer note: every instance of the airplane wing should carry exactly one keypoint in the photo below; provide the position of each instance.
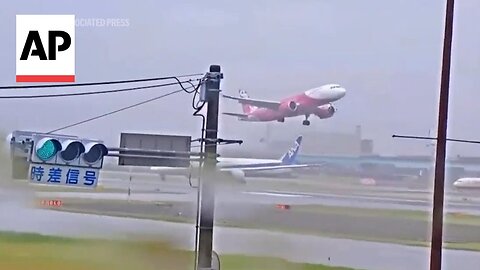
(239, 115)
(278, 167)
(255, 102)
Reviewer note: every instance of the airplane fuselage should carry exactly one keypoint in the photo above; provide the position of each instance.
(315, 101)
(226, 162)
(264, 114)
(232, 163)
(467, 183)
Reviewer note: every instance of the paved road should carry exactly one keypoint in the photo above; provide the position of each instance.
(364, 255)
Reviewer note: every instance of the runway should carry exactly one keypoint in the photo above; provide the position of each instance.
(279, 197)
(294, 247)
(178, 189)
(253, 205)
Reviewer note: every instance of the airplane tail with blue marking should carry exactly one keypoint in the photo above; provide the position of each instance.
(290, 157)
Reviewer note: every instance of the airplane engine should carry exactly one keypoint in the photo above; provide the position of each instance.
(239, 176)
(325, 111)
(293, 106)
(331, 109)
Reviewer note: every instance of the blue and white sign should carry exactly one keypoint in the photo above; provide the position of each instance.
(64, 175)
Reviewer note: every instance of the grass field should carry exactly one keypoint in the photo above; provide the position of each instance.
(450, 218)
(33, 251)
(75, 205)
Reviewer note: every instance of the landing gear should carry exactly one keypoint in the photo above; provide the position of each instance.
(306, 122)
(281, 120)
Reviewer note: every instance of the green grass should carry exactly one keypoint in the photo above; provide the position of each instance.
(245, 262)
(463, 246)
(20, 251)
(181, 219)
(450, 218)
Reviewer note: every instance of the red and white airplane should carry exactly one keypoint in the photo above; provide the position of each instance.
(316, 101)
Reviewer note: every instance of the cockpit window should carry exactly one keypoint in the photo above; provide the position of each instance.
(334, 86)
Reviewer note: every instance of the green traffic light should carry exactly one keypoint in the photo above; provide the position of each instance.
(47, 151)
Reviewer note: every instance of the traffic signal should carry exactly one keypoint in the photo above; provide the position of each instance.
(47, 148)
(68, 150)
(93, 153)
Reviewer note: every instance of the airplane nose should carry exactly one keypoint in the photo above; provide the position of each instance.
(340, 93)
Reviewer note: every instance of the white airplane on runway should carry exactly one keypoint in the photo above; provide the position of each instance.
(240, 167)
(467, 182)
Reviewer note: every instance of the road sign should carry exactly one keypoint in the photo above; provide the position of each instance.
(61, 175)
(175, 144)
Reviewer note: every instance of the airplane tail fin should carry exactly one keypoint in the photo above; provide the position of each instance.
(290, 157)
(245, 107)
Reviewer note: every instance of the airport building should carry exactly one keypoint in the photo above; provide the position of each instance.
(317, 142)
(275, 140)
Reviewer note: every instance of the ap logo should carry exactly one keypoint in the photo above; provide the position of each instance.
(45, 48)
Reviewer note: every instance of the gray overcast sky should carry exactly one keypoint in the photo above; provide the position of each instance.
(386, 53)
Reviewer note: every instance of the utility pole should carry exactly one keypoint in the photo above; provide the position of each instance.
(207, 182)
(439, 189)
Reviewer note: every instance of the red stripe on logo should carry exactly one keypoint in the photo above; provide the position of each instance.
(45, 78)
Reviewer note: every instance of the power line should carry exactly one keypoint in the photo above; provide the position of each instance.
(98, 83)
(433, 138)
(97, 92)
(118, 110)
